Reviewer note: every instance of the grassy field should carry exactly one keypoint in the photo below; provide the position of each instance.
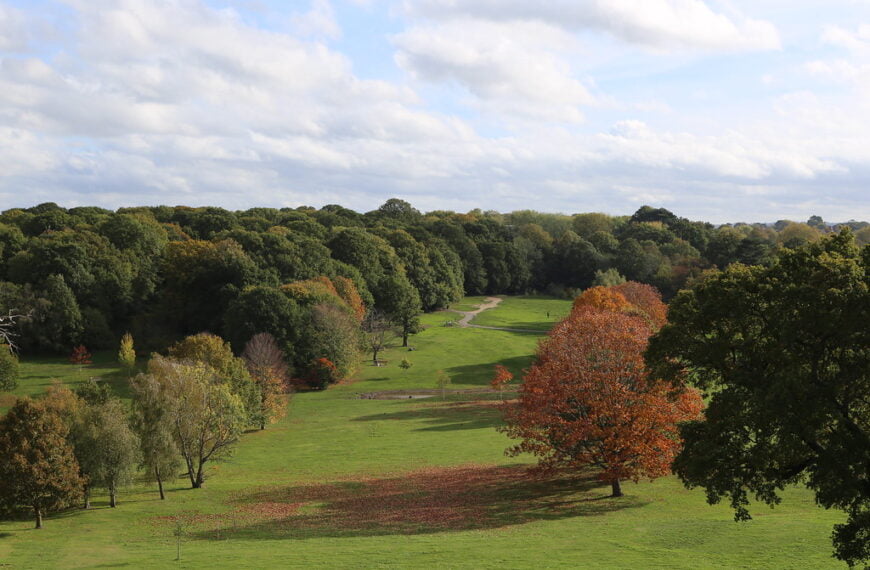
(525, 312)
(369, 483)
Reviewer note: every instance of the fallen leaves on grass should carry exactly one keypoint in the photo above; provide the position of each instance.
(427, 500)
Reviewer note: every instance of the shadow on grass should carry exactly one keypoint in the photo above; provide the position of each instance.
(481, 374)
(446, 416)
(540, 326)
(421, 502)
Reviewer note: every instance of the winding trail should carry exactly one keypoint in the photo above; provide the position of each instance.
(489, 303)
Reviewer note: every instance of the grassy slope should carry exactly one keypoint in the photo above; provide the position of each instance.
(364, 476)
(525, 312)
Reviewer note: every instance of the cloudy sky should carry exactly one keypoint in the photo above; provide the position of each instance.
(721, 110)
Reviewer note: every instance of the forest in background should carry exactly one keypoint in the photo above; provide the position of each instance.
(308, 276)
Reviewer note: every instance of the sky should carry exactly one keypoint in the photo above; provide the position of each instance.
(719, 110)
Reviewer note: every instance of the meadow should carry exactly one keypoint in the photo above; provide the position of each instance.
(345, 481)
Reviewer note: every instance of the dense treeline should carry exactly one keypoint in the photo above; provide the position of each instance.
(87, 275)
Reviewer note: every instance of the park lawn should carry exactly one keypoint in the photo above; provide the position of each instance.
(530, 312)
(349, 482)
(471, 303)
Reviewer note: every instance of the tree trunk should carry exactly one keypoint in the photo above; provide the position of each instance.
(112, 495)
(190, 472)
(38, 513)
(615, 488)
(159, 483)
(375, 356)
(200, 478)
(87, 504)
(404, 339)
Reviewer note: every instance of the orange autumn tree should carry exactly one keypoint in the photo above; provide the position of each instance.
(500, 379)
(588, 400)
(646, 298)
(605, 298)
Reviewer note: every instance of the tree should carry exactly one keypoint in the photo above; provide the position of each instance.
(93, 393)
(607, 278)
(646, 299)
(39, 470)
(322, 372)
(206, 417)
(107, 447)
(784, 354)
(604, 298)
(127, 354)
(500, 379)
(8, 369)
(378, 330)
(215, 352)
(265, 363)
(8, 334)
(334, 334)
(589, 401)
(57, 324)
(80, 356)
(153, 423)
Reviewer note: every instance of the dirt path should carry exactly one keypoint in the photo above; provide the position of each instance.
(489, 303)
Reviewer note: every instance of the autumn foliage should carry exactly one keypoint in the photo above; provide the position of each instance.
(647, 299)
(80, 355)
(588, 401)
(501, 378)
(265, 362)
(602, 298)
(322, 373)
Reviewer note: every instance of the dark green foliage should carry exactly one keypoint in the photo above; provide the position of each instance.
(201, 279)
(784, 353)
(57, 323)
(94, 393)
(88, 274)
(264, 309)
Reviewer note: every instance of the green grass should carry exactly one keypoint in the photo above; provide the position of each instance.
(525, 312)
(349, 482)
(469, 303)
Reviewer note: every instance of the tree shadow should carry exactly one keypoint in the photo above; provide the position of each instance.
(445, 416)
(422, 502)
(481, 374)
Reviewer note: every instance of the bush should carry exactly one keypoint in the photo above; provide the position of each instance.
(405, 364)
(8, 369)
(322, 373)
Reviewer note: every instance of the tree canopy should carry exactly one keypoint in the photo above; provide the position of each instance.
(784, 354)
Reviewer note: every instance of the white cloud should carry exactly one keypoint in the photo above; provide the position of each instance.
(13, 31)
(172, 101)
(317, 21)
(659, 24)
(511, 68)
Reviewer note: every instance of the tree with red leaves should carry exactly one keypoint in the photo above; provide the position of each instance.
(500, 379)
(80, 355)
(646, 298)
(588, 401)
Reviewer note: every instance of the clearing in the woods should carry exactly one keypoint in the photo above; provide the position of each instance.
(391, 480)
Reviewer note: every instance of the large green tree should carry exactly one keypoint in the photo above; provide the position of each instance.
(206, 417)
(784, 355)
(153, 423)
